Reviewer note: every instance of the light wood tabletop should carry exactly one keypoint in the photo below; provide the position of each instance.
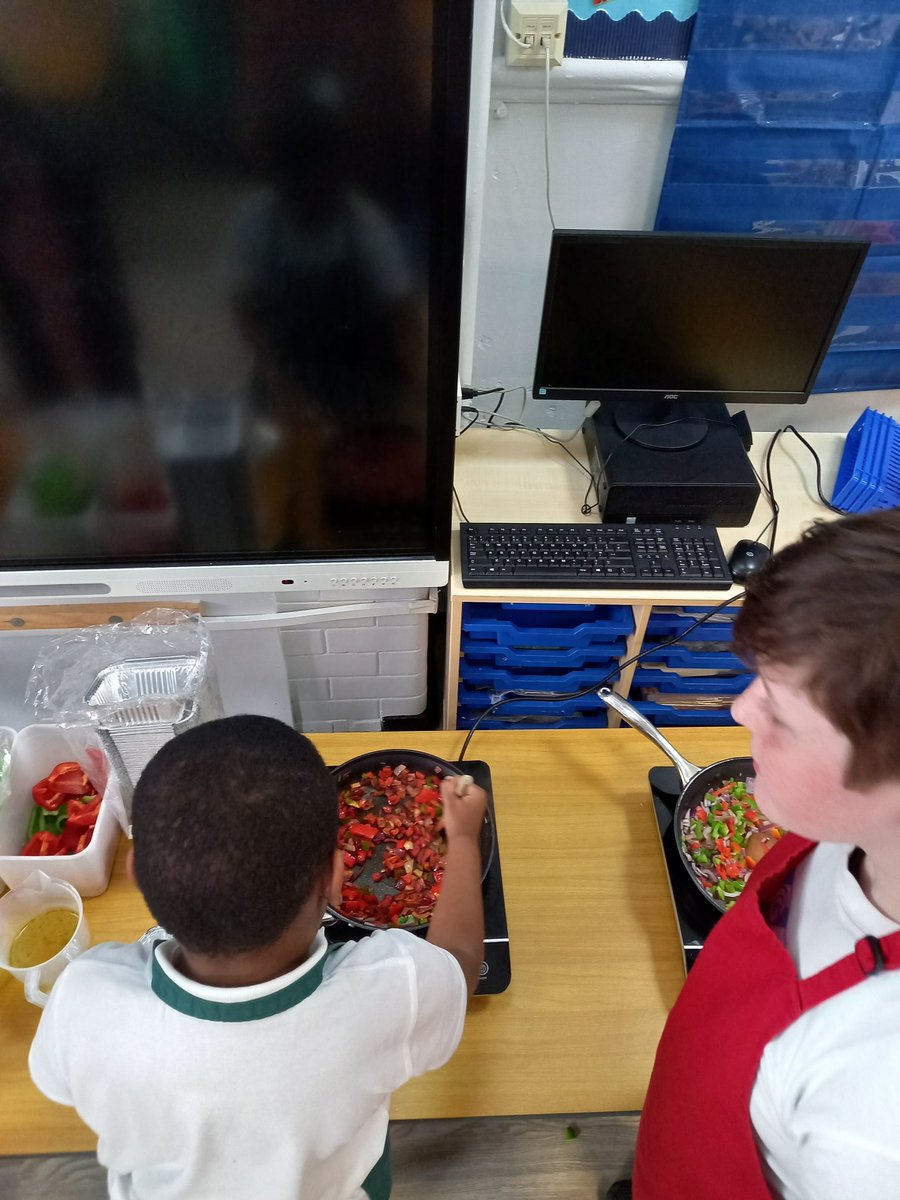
(596, 958)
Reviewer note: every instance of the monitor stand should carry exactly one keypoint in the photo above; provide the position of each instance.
(710, 482)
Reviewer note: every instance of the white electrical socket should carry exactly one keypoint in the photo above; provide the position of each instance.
(541, 23)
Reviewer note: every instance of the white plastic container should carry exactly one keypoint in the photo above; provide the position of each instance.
(36, 750)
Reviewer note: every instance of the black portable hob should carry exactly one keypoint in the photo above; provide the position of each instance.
(495, 967)
(696, 916)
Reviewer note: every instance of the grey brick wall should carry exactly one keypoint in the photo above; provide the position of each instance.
(347, 675)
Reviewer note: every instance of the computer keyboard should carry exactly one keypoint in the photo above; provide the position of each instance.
(592, 556)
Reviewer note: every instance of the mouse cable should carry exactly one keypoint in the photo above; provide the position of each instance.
(557, 697)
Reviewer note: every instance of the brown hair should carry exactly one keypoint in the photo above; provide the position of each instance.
(829, 604)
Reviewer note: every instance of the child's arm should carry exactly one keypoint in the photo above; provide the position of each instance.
(457, 923)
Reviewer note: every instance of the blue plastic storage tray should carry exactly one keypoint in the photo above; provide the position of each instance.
(497, 679)
(583, 706)
(705, 685)
(720, 633)
(661, 714)
(548, 717)
(696, 660)
(546, 626)
(486, 654)
(869, 473)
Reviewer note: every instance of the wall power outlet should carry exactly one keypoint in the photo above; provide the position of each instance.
(542, 25)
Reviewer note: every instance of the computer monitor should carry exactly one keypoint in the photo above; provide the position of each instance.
(230, 275)
(670, 327)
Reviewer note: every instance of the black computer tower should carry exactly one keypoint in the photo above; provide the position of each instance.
(711, 483)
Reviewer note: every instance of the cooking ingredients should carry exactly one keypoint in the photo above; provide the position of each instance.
(66, 805)
(41, 938)
(393, 847)
(725, 836)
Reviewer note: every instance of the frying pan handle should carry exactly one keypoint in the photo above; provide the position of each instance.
(637, 720)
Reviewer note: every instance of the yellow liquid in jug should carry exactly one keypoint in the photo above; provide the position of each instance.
(42, 937)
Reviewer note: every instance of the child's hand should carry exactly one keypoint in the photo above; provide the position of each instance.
(463, 815)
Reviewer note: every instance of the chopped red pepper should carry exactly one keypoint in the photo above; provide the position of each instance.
(403, 810)
(43, 843)
(68, 792)
(363, 831)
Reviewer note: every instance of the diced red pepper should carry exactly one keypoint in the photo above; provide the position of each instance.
(363, 831)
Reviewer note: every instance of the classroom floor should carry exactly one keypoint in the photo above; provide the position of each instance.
(531, 1158)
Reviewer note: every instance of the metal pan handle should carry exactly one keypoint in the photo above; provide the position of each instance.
(637, 720)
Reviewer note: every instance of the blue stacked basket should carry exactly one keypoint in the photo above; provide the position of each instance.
(869, 475)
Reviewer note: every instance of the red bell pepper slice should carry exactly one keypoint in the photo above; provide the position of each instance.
(43, 843)
(47, 796)
(83, 816)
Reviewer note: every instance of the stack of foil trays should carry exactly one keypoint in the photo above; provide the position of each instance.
(145, 703)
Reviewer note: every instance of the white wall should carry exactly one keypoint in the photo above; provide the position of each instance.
(611, 124)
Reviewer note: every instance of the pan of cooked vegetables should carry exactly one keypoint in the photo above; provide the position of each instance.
(391, 837)
(719, 831)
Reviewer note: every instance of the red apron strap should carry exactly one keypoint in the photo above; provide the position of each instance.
(870, 956)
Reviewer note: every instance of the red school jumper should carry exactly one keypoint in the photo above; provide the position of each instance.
(745, 976)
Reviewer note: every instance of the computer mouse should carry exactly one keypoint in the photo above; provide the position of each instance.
(746, 558)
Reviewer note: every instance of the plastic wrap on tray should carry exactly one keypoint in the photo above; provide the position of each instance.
(85, 663)
(132, 686)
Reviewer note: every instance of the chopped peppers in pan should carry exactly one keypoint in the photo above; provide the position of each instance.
(392, 819)
(725, 836)
(65, 810)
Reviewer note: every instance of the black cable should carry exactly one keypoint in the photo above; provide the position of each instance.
(771, 489)
(556, 697)
(792, 429)
(496, 409)
(462, 511)
(467, 408)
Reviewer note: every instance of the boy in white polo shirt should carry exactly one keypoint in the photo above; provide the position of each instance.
(243, 1058)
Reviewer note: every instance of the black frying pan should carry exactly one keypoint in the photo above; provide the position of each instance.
(695, 781)
(416, 761)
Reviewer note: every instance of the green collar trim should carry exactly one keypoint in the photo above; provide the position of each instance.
(175, 996)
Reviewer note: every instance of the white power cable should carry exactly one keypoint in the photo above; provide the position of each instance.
(547, 134)
(527, 46)
(509, 33)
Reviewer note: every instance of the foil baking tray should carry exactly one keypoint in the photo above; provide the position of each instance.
(149, 691)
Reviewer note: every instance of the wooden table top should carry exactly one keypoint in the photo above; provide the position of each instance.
(596, 957)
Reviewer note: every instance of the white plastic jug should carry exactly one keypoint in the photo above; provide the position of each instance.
(36, 894)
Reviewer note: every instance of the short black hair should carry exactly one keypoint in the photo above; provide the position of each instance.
(232, 822)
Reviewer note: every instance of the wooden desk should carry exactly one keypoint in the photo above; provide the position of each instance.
(517, 475)
(596, 957)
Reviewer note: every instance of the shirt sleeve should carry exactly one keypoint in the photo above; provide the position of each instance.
(841, 1165)
(439, 999)
(826, 1104)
